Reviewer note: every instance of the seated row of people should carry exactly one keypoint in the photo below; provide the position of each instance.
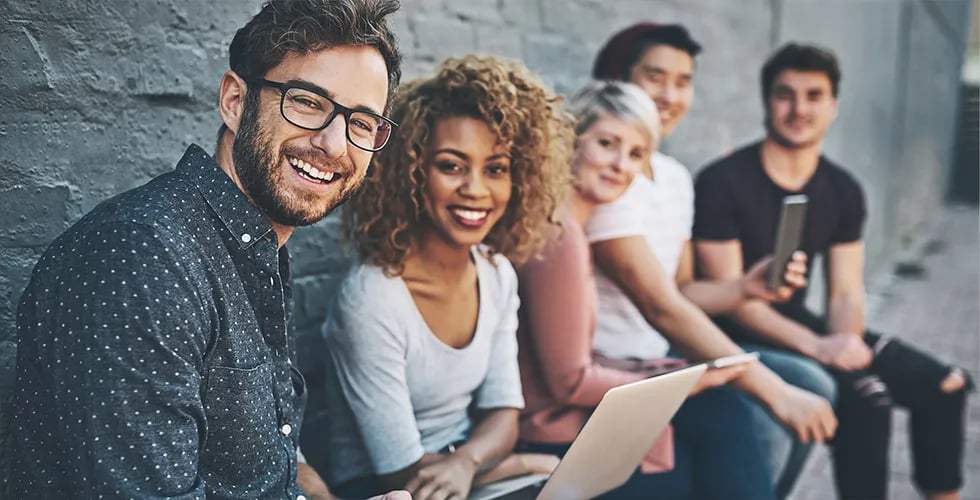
(484, 373)
(155, 355)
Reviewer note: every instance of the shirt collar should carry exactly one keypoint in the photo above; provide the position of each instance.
(238, 214)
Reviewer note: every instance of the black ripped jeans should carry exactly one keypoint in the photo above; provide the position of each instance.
(900, 375)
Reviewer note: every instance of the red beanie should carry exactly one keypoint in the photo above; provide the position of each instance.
(611, 62)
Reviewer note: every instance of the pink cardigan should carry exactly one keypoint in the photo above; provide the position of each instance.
(562, 383)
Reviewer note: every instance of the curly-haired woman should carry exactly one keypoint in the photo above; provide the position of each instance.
(423, 386)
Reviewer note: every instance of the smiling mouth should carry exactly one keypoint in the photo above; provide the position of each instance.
(471, 217)
(310, 172)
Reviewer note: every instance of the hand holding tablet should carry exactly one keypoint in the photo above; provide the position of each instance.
(735, 359)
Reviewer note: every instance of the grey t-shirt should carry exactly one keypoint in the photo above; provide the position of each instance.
(394, 390)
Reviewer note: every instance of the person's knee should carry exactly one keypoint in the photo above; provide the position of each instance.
(799, 371)
(956, 381)
(863, 394)
(815, 379)
(954, 401)
(807, 374)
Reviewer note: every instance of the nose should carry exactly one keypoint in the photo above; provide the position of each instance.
(474, 185)
(800, 104)
(669, 95)
(333, 139)
(616, 161)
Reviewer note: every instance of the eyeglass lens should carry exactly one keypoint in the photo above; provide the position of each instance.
(308, 110)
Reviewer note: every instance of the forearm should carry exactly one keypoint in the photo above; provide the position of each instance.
(594, 382)
(772, 327)
(311, 483)
(715, 297)
(761, 383)
(688, 329)
(699, 339)
(845, 313)
(493, 438)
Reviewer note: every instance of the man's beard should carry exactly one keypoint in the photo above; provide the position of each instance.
(784, 141)
(261, 174)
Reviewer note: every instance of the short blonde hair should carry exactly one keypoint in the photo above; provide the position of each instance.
(384, 217)
(621, 99)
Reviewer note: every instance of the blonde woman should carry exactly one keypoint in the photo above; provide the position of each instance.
(714, 452)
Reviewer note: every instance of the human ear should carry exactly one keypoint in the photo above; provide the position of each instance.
(231, 100)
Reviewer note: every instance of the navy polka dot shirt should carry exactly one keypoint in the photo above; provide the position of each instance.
(154, 351)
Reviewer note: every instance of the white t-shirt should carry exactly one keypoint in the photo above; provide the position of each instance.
(661, 210)
(395, 391)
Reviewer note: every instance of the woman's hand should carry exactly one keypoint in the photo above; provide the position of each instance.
(716, 377)
(448, 478)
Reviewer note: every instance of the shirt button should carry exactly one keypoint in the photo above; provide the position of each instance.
(300, 497)
(286, 429)
(246, 237)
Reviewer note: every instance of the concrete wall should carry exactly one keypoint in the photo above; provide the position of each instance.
(98, 97)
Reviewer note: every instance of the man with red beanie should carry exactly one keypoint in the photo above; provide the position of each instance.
(649, 302)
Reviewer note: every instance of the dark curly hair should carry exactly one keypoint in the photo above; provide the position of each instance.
(384, 217)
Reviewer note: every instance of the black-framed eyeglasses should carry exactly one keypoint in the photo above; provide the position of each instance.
(309, 109)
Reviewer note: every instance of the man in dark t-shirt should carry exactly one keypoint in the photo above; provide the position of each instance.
(835, 211)
(737, 207)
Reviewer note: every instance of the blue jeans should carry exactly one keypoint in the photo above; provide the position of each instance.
(716, 454)
(785, 454)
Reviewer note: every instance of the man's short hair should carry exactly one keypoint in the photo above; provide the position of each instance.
(304, 26)
(800, 57)
(625, 48)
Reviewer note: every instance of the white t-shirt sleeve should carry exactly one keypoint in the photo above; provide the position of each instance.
(367, 347)
(620, 219)
(685, 195)
(502, 386)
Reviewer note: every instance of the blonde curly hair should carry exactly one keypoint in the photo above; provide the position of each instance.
(384, 217)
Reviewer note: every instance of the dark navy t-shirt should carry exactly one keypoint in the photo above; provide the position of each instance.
(735, 199)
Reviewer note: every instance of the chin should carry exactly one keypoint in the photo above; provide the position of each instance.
(466, 241)
(793, 141)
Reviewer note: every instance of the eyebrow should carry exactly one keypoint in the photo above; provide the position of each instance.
(316, 89)
(660, 71)
(465, 156)
(808, 91)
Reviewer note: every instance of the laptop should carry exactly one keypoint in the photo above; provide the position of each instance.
(610, 445)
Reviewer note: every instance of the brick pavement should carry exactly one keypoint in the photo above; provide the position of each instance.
(939, 310)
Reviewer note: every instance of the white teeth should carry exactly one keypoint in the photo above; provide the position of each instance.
(470, 214)
(310, 170)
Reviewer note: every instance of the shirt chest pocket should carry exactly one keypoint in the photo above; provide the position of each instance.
(241, 423)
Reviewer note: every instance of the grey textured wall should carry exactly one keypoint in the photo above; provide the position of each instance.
(98, 97)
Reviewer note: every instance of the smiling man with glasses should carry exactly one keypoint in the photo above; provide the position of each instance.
(155, 346)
